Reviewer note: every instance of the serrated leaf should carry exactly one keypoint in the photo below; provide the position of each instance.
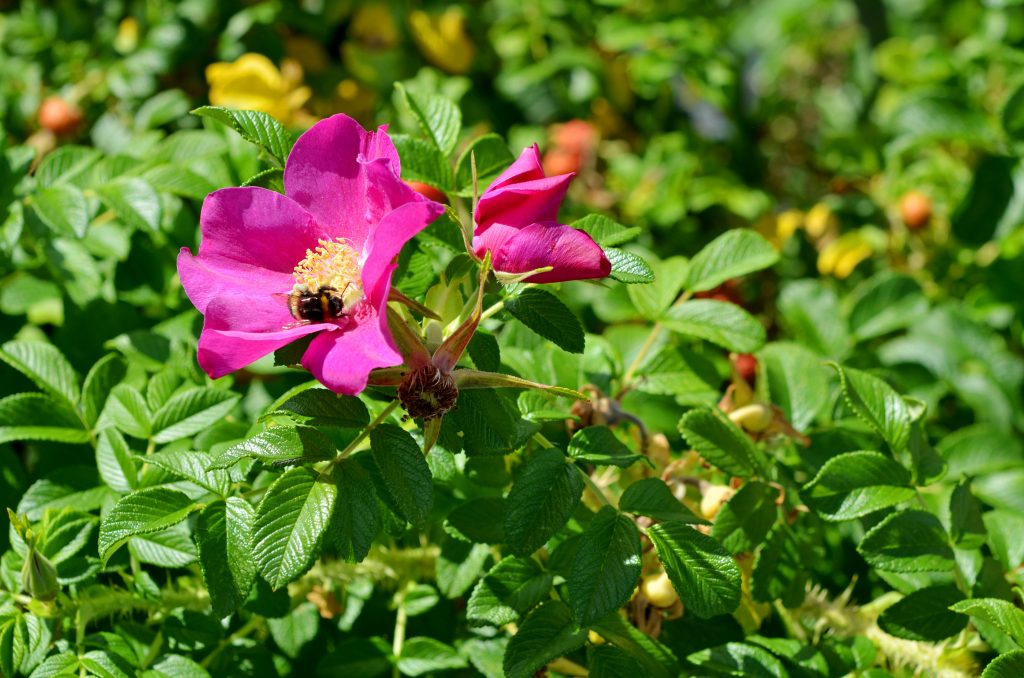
(484, 351)
(422, 655)
(320, 407)
(598, 445)
(255, 127)
(180, 181)
(703, 573)
(720, 322)
(908, 541)
(134, 201)
(290, 522)
(878, 404)
(115, 461)
(45, 365)
(491, 156)
(541, 500)
(608, 661)
(279, 446)
(739, 659)
(223, 537)
(423, 161)
(652, 300)
(606, 568)
(1002, 614)
(629, 268)
(721, 442)
(404, 470)
(190, 412)
(126, 408)
(657, 660)
(679, 372)
(744, 521)
(149, 510)
(547, 633)
(101, 379)
(652, 497)
(887, 303)
(459, 565)
(439, 117)
(731, 255)
(509, 590)
(855, 484)
(925, 615)
(795, 381)
(481, 519)
(966, 525)
(606, 232)
(545, 314)
(37, 416)
(65, 164)
(271, 178)
(63, 208)
(356, 519)
(1009, 665)
(812, 314)
(192, 465)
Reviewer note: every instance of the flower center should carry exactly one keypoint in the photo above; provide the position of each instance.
(333, 265)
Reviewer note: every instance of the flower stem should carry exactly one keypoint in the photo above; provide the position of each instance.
(377, 421)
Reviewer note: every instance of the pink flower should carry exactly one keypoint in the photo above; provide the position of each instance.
(272, 268)
(516, 221)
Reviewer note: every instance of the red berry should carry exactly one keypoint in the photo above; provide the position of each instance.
(915, 209)
(746, 365)
(59, 116)
(428, 191)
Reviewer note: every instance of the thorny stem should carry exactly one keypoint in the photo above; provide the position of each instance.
(649, 344)
(377, 421)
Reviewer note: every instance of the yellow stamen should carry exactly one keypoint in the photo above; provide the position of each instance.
(334, 264)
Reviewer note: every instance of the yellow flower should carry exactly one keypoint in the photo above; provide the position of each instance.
(442, 39)
(841, 256)
(253, 82)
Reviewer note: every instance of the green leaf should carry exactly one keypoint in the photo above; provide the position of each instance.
(108, 371)
(1002, 614)
(115, 461)
(422, 161)
(126, 408)
(733, 254)
(149, 510)
(491, 156)
(192, 465)
(541, 500)
(404, 470)
(280, 446)
(606, 232)
(440, 119)
(546, 634)
(606, 568)
(744, 521)
(459, 565)
(422, 655)
(966, 525)
(651, 497)
(45, 365)
(481, 519)
(629, 268)
(1013, 115)
(1009, 665)
(37, 416)
(190, 412)
(63, 208)
(223, 537)
(813, 316)
(703, 573)
(856, 484)
(925, 615)
(508, 591)
(656, 659)
(680, 372)
(320, 407)
(598, 445)
(356, 518)
(908, 541)
(545, 314)
(290, 521)
(485, 352)
(255, 127)
(888, 302)
(652, 300)
(878, 404)
(271, 178)
(357, 658)
(721, 442)
(987, 201)
(739, 659)
(720, 322)
(134, 201)
(608, 661)
(65, 164)
(795, 381)
(169, 548)
(780, 570)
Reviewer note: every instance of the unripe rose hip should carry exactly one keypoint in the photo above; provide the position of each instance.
(714, 497)
(658, 589)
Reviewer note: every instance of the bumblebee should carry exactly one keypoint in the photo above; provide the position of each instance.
(325, 304)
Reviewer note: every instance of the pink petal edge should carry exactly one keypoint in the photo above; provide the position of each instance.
(572, 254)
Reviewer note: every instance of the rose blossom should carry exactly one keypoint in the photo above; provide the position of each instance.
(343, 219)
(516, 222)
